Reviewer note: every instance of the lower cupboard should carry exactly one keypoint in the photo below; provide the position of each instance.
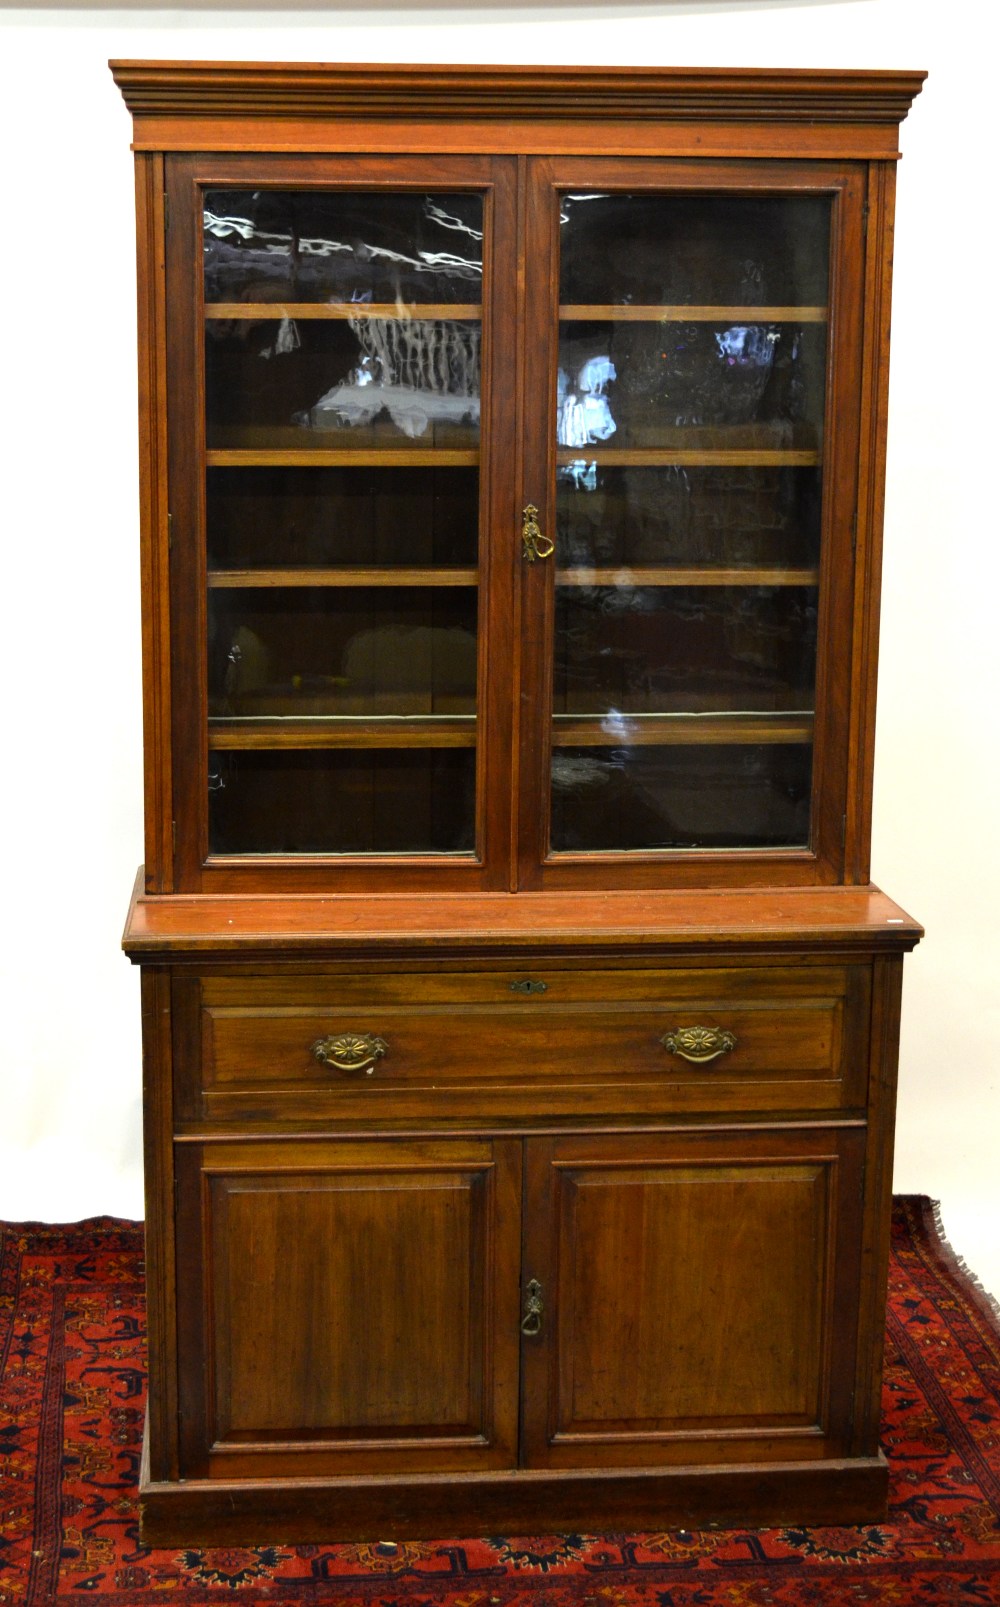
(453, 1307)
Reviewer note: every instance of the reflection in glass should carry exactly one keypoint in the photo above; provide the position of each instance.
(342, 246)
(369, 381)
(662, 379)
(418, 371)
(584, 415)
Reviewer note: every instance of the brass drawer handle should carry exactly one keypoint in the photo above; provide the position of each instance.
(699, 1044)
(531, 1322)
(533, 543)
(350, 1051)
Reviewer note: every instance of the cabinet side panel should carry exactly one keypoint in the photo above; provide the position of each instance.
(151, 292)
(186, 482)
(886, 997)
(871, 506)
(160, 1282)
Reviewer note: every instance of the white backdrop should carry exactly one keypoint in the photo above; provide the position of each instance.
(70, 797)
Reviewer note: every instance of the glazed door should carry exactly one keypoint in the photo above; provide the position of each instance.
(692, 406)
(348, 1307)
(695, 1297)
(342, 647)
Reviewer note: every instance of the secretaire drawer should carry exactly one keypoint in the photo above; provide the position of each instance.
(538, 1043)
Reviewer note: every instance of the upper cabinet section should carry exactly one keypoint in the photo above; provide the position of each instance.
(511, 507)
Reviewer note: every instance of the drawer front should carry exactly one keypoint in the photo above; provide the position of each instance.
(496, 1045)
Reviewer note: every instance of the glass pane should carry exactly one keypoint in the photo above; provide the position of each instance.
(689, 425)
(330, 517)
(718, 796)
(688, 516)
(728, 250)
(357, 382)
(342, 651)
(342, 380)
(623, 649)
(384, 801)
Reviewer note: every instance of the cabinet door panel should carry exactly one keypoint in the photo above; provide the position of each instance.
(696, 1294)
(693, 435)
(336, 503)
(350, 1306)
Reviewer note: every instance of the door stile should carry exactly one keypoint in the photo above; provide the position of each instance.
(540, 344)
(497, 662)
(833, 760)
(512, 547)
(538, 1265)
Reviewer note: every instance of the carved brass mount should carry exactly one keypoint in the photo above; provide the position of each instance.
(350, 1051)
(531, 1322)
(533, 543)
(529, 987)
(699, 1044)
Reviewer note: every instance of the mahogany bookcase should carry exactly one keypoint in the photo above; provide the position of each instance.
(520, 1022)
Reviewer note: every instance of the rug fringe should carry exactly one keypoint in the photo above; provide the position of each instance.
(960, 1262)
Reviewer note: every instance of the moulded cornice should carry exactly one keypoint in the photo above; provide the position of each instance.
(167, 89)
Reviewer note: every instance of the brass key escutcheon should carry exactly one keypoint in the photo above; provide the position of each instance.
(531, 1322)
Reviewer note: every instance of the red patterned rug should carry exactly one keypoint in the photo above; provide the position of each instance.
(72, 1389)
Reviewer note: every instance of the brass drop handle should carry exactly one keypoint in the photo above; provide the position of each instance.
(533, 543)
(350, 1051)
(699, 1044)
(531, 1322)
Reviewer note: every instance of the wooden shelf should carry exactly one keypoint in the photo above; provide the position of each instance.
(345, 731)
(610, 312)
(390, 457)
(260, 579)
(624, 576)
(654, 457)
(342, 310)
(670, 730)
